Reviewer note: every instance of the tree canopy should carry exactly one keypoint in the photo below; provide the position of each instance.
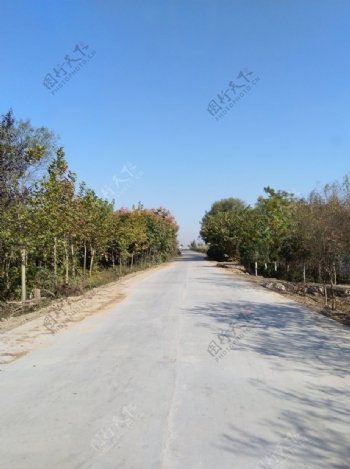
(63, 228)
(284, 235)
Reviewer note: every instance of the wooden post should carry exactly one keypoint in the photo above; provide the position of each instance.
(256, 268)
(304, 273)
(37, 295)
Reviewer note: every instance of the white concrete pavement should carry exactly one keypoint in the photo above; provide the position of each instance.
(195, 369)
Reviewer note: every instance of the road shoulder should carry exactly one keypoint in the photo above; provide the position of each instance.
(20, 335)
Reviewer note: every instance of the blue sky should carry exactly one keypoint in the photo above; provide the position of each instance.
(134, 120)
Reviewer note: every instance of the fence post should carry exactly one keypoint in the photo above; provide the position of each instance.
(37, 295)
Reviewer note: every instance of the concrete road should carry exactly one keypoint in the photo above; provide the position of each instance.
(195, 369)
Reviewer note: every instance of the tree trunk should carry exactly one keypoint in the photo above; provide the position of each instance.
(73, 261)
(92, 260)
(332, 291)
(66, 262)
(256, 268)
(304, 273)
(23, 270)
(84, 264)
(7, 271)
(55, 258)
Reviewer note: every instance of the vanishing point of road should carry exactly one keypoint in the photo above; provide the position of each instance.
(194, 369)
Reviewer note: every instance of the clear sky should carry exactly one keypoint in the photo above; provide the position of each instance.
(134, 119)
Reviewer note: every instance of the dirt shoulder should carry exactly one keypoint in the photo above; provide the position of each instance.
(20, 334)
(310, 295)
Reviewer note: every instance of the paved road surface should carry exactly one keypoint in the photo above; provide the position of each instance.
(196, 369)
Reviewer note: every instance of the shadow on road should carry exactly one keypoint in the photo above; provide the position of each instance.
(187, 256)
(315, 349)
(285, 331)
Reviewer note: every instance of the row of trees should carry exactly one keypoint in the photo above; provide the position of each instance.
(198, 246)
(54, 231)
(285, 236)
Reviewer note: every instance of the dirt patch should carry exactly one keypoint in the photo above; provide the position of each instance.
(311, 295)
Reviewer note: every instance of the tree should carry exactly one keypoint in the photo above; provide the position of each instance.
(24, 153)
(50, 232)
(220, 228)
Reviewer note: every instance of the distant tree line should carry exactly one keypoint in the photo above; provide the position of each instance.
(198, 247)
(54, 231)
(298, 239)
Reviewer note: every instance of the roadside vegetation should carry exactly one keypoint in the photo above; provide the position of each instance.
(57, 235)
(285, 237)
